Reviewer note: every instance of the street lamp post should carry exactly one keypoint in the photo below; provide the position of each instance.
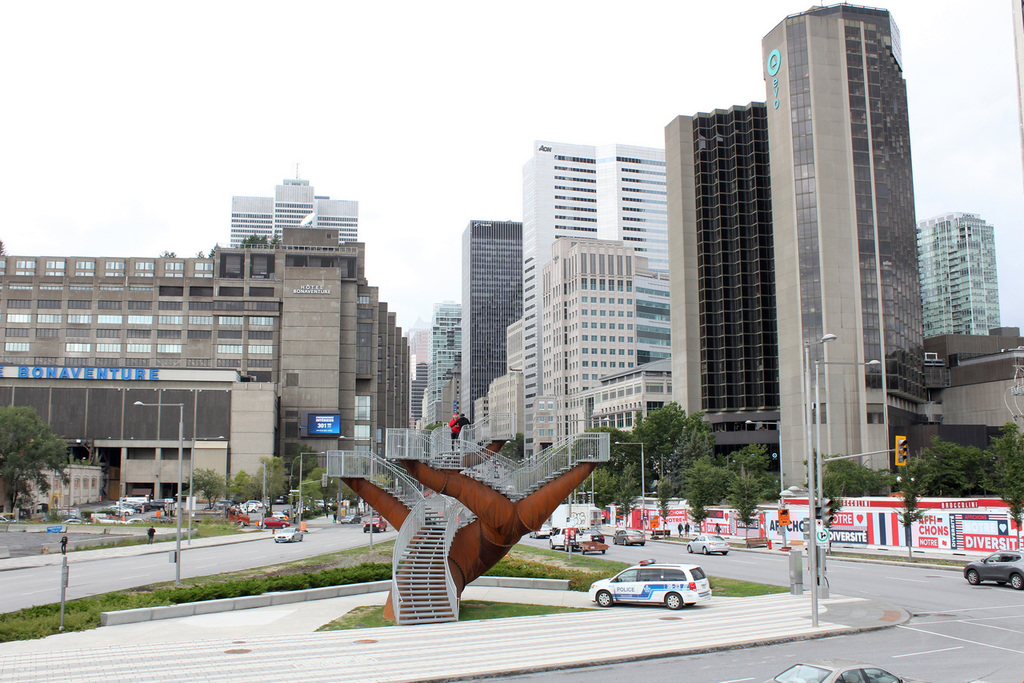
(181, 440)
(812, 549)
(643, 488)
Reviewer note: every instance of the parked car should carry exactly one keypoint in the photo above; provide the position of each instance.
(629, 537)
(288, 535)
(543, 532)
(673, 585)
(707, 544)
(1006, 566)
(378, 522)
(557, 539)
(836, 671)
(352, 519)
(274, 523)
(593, 535)
(7, 519)
(73, 520)
(252, 506)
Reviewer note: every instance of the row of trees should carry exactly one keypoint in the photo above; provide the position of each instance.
(680, 460)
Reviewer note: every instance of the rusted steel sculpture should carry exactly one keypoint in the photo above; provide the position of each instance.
(499, 523)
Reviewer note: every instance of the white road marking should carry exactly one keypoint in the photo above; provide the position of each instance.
(962, 640)
(896, 578)
(928, 652)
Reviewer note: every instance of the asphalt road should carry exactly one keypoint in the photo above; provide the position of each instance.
(41, 585)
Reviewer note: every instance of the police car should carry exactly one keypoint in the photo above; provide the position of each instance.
(672, 585)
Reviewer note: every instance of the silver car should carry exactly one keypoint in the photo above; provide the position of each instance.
(1006, 566)
(707, 544)
(288, 535)
(836, 671)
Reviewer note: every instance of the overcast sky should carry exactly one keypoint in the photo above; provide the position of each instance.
(129, 126)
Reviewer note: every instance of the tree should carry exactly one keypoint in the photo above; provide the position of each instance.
(660, 432)
(604, 484)
(255, 240)
(910, 483)
(849, 479)
(753, 461)
(244, 487)
(1008, 477)
(628, 488)
(953, 470)
(275, 478)
(168, 254)
(665, 493)
(706, 485)
(744, 495)
(28, 451)
(209, 484)
(696, 441)
(514, 449)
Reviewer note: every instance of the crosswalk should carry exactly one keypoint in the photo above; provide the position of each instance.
(437, 651)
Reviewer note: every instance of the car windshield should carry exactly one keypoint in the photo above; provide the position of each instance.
(715, 538)
(803, 673)
(698, 574)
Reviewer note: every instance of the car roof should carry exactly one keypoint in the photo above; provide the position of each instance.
(658, 565)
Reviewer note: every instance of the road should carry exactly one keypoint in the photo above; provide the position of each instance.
(41, 585)
(957, 632)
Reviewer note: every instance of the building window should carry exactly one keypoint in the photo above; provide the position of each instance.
(261, 348)
(77, 347)
(260, 320)
(200, 320)
(229, 348)
(361, 432)
(137, 334)
(108, 348)
(140, 305)
(170, 319)
(108, 319)
(107, 305)
(139, 348)
(52, 318)
(230, 319)
(362, 411)
(55, 268)
(168, 348)
(16, 346)
(140, 320)
(168, 334)
(19, 317)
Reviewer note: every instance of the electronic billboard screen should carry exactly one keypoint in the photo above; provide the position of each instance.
(323, 423)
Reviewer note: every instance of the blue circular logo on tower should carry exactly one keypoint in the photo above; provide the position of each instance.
(774, 62)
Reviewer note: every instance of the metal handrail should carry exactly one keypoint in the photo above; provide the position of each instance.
(414, 521)
(382, 473)
(560, 457)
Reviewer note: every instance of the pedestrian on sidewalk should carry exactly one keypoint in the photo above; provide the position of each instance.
(687, 528)
(680, 527)
(151, 533)
(64, 545)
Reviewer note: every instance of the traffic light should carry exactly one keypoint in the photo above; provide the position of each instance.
(825, 510)
(902, 451)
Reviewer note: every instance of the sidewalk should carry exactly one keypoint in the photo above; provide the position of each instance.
(281, 643)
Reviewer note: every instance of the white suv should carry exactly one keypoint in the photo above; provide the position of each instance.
(673, 585)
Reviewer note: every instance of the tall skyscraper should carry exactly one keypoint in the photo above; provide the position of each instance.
(492, 299)
(959, 286)
(445, 352)
(294, 203)
(419, 363)
(613, 192)
(845, 231)
(725, 355)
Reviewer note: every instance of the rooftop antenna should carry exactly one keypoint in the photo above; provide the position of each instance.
(297, 176)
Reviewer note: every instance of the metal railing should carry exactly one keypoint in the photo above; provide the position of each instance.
(560, 457)
(382, 473)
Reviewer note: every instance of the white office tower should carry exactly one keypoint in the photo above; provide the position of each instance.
(294, 203)
(445, 354)
(959, 287)
(610, 192)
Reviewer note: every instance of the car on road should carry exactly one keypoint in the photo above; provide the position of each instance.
(72, 520)
(707, 544)
(629, 537)
(836, 671)
(7, 519)
(274, 523)
(543, 532)
(651, 583)
(351, 519)
(288, 535)
(1006, 566)
(378, 522)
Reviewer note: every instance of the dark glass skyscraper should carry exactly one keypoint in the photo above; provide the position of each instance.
(492, 299)
(845, 230)
(725, 342)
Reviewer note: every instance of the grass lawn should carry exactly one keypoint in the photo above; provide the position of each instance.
(371, 616)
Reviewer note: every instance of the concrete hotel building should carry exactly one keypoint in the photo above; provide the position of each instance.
(611, 192)
(492, 299)
(266, 348)
(725, 358)
(294, 203)
(845, 242)
(959, 284)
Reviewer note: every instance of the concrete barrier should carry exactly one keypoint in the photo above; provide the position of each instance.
(188, 609)
(5, 552)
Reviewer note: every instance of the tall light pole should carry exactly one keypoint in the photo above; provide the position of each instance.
(812, 548)
(181, 440)
(817, 416)
(643, 487)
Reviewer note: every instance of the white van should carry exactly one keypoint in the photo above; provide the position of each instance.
(672, 585)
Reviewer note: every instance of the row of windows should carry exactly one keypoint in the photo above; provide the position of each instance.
(106, 319)
(79, 347)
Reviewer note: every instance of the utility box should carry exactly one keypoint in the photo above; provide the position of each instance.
(796, 573)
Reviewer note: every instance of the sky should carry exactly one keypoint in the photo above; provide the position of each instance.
(128, 126)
